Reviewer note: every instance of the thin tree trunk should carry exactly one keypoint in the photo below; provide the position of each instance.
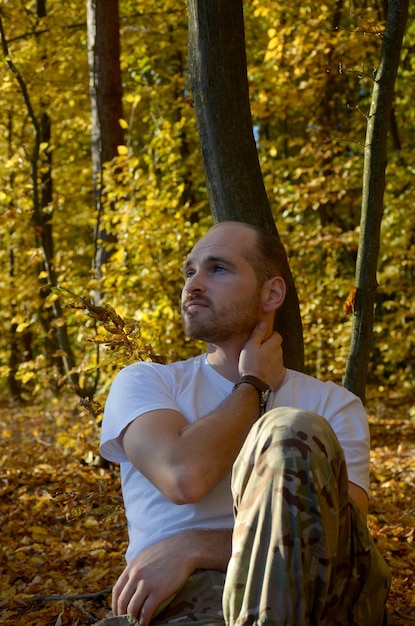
(372, 197)
(218, 79)
(15, 385)
(105, 88)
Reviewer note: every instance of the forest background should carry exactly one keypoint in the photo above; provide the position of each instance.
(311, 74)
(310, 92)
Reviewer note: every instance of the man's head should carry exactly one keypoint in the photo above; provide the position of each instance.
(266, 255)
(234, 278)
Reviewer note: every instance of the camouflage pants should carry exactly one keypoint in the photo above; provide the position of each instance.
(302, 555)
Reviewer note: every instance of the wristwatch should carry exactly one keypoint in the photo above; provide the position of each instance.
(263, 389)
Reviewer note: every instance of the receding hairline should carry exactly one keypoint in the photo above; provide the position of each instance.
(257, 231)
(266, 254)
(251, 227)
(254, 228)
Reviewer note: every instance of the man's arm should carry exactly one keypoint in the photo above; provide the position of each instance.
(359, 495)
(184, 461)
(160, 571)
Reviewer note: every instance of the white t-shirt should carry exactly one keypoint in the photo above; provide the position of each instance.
(195, 389)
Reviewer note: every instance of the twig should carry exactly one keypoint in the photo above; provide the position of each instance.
(404, 616)
(78, 596)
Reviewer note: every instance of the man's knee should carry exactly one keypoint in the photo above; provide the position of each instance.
(290, 445)
(290, 427)
(298, 420)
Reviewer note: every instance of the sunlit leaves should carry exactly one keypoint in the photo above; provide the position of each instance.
(311, 72)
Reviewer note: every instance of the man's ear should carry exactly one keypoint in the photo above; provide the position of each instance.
(273, 294)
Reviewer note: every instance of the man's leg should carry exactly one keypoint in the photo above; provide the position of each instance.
(199, 601)
(301, 550)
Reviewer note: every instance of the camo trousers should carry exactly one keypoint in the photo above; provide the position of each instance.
(302, 554)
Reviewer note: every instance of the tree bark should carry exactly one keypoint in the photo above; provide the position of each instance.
(105, 87)
(219, 84)
(374, 178)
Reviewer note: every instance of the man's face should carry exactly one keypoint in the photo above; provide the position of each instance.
(221, 298)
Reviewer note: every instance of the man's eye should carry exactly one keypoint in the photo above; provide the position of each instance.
(189, 273)
(219, 268)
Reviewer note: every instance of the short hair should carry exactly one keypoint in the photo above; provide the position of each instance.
(267, 256)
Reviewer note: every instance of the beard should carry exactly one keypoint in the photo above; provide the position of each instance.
(217, 324)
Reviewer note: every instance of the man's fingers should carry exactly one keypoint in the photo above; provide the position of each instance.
(276, 337)
(136, 599)
(128, 599)
(258, 333)
(147, 611)
(116, 592)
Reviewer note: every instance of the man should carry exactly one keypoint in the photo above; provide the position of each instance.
(288, 544)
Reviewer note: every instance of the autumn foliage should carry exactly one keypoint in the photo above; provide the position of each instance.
(65, 329)
(64, 531)
(311, 75)
(63, 528)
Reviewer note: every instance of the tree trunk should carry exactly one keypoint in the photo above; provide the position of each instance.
(218, 79)
(372, 197)
(106, 103)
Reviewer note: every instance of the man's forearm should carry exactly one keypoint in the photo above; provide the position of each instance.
(177, 456)
(209, 549)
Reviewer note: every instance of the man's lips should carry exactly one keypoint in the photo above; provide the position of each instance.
(194, 304)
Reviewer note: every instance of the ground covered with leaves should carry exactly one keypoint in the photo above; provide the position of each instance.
(63, 528)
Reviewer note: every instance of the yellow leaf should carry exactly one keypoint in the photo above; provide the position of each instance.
(269, 56)
(122, 150)
(133, 98)
(22, 326)
(380, 478)
(123, 123)
(273, 43)
(38, 530)
(52, 298)
(25, 376)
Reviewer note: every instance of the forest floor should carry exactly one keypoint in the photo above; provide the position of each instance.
(63, 531)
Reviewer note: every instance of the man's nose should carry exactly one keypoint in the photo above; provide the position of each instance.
(195, 283)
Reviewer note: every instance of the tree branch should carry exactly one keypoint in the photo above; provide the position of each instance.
(78, 596)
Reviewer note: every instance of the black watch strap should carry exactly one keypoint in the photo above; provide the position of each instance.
(262, 388)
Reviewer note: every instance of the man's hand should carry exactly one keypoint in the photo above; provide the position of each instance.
(151, 578)
(262, 356)
(154, 577)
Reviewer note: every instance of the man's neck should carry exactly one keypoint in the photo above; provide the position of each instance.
(225, 360)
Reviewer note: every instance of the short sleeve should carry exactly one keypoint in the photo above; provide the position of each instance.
(137, 389)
